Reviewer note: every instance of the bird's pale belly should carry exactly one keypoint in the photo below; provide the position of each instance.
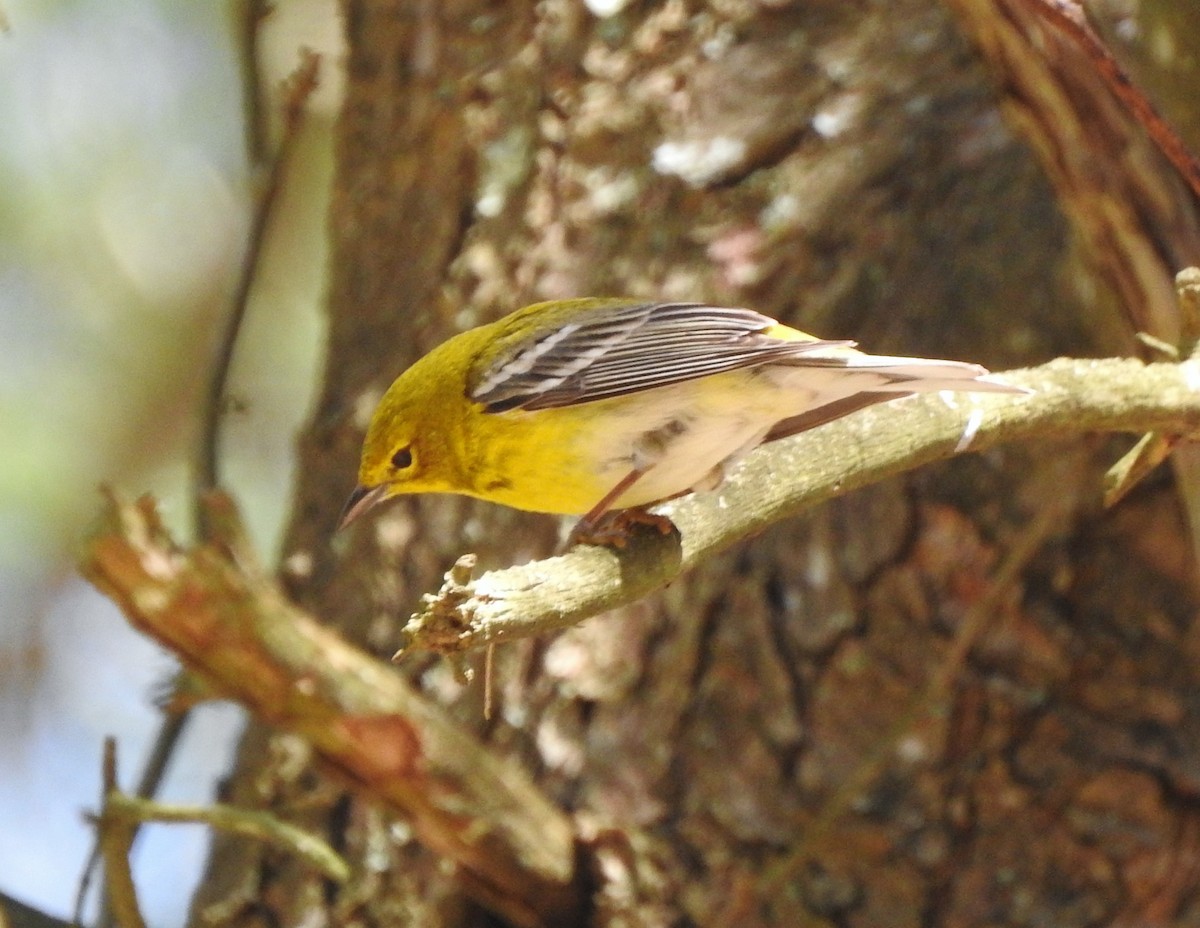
(676, 438)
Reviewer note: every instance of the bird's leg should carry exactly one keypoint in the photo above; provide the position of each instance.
(597, 512)
(589, 529)
(603, 526)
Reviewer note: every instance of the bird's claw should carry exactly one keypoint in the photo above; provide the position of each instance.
(613, 528)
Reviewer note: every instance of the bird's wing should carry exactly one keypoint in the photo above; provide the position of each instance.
(626, 348)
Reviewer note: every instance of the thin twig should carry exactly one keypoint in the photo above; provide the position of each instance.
(489, 670)
(207, 469)
(1136, 464)
(115, 839)
(1155, 447)
(90, 867)
(246, 822)
(249, 15)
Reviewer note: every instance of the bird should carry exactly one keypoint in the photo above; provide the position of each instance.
(599, 406)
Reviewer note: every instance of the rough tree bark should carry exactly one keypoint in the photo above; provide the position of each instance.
(843, 166)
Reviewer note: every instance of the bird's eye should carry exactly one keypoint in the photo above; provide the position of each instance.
(402, 459)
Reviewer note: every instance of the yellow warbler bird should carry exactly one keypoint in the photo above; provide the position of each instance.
(582, 407)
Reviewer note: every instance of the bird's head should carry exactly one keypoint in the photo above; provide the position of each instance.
(408, 447)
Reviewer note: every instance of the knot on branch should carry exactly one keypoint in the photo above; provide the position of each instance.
(447, 615)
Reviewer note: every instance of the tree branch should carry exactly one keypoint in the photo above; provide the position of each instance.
(1071, 396)
(231, 625)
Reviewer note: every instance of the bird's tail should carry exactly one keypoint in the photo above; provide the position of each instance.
(911, 375)
(923, 375)
(890, 379)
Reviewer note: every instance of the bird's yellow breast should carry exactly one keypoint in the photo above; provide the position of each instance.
(564, 460)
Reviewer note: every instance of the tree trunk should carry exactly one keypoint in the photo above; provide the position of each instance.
(801, 732)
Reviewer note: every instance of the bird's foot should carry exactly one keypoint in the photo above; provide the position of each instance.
(612, 529)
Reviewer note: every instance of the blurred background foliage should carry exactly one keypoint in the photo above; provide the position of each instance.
(126, 192)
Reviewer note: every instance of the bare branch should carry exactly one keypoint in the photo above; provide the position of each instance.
(1072, 396)
(231, 626)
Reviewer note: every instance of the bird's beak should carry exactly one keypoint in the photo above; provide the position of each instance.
(362, 499)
